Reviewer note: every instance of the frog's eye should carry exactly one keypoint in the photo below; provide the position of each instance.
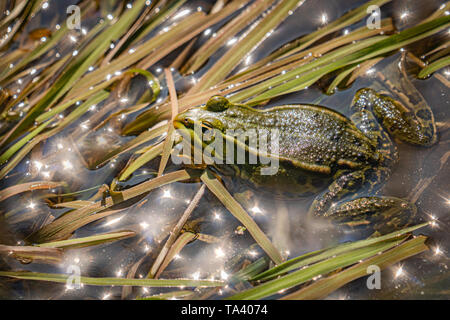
(217, 104)
(186, 122)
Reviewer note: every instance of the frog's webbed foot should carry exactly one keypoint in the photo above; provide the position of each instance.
(382, 214)
(347, 186)
(341, 203)
(415, 126)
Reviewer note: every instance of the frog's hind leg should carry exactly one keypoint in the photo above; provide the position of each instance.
(342, 203)
(346, 186)
(382, 214)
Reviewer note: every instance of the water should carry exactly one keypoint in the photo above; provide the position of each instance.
(425, 275)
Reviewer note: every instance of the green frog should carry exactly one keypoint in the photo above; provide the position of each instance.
(341, 161)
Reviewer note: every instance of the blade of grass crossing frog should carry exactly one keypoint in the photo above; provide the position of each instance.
(170, 130)
(217, 188)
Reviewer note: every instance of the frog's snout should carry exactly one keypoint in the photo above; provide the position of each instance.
(186, 118)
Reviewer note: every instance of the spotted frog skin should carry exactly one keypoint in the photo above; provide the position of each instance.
(323, 153)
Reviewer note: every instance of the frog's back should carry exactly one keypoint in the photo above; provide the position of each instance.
(313, 138)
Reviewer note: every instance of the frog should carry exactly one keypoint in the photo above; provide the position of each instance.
(340, 161)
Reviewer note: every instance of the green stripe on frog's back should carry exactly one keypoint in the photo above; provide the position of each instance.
(311, 137)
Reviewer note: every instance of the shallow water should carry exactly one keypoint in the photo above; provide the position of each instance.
(425, 275)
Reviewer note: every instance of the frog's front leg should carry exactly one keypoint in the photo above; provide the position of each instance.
(413, 126)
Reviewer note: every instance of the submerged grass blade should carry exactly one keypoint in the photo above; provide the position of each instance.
(29, 186)
(164, 258)
(88, 241)
(62, 278)
(27, 254)
(175, 248)
(251, 270)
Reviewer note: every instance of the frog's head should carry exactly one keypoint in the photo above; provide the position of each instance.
(207, 117)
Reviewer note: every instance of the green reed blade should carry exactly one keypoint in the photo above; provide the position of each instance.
(432, 67)
(88, 241)
(216, 187)
(147, 156)
(314, 257)
(63, 278)
(324, 287)
(245, 45)
(301, 276)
